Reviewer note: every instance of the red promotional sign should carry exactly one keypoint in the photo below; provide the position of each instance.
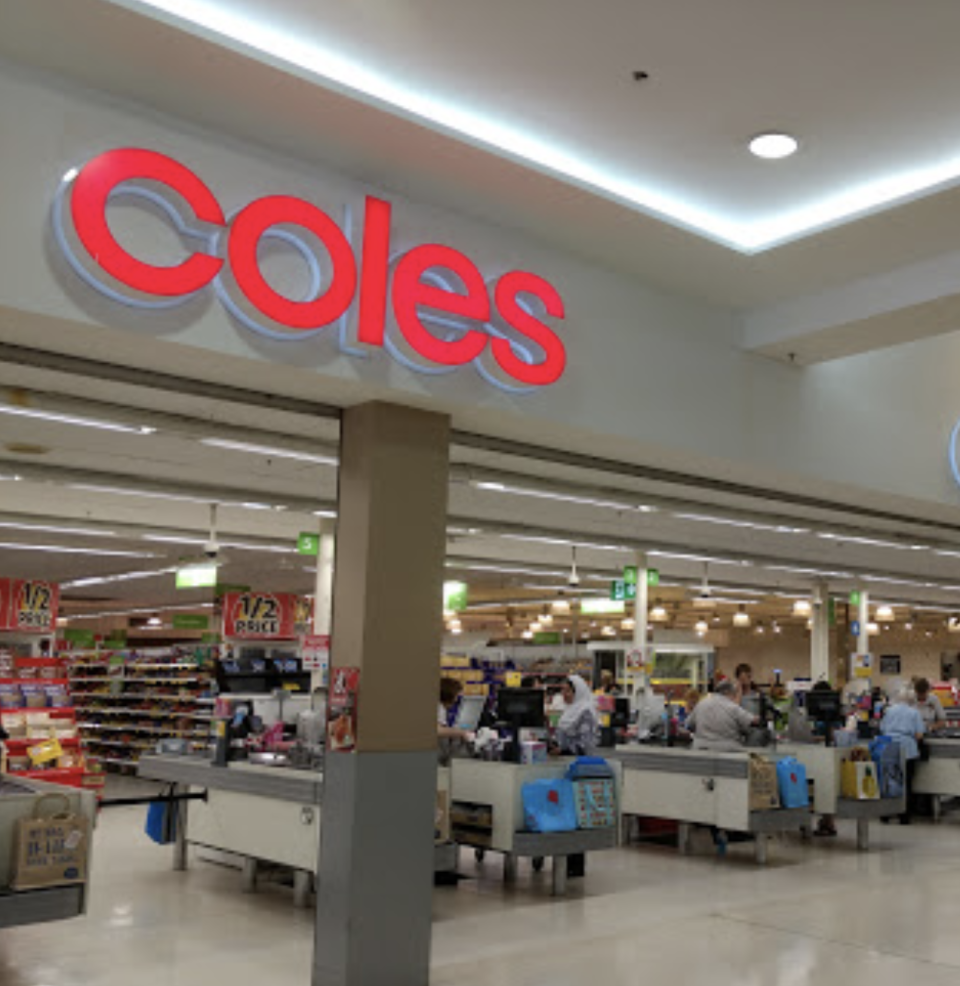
(28, 605)
(342, 710)
(445, 313)
(260, 615)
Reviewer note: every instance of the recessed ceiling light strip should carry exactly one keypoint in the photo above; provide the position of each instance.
(57, 417)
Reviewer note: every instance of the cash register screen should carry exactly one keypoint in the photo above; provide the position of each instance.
(468, 715)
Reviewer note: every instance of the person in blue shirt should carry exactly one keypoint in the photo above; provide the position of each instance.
(902, 722)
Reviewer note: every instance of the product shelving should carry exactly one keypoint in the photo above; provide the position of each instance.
(31, 725)
(118, 692)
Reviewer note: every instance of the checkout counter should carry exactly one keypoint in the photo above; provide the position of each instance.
(487, 814)
(938, 773)
(18, 797)
(701, 787)
(252, 811)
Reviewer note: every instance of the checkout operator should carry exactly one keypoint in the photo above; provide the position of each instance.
(447, 735)
(718, 723)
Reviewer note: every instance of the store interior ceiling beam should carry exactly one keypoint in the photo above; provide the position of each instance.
(22, 400)
(15, 355)
(618, 545)
(761, 497)
(597, 464)
(95, 481)
(914, 302)
(485, 478)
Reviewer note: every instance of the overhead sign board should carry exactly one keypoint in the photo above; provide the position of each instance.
(260, 616)
(428, 306)
(28, 605)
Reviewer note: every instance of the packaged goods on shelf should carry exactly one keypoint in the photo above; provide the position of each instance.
(128, 701)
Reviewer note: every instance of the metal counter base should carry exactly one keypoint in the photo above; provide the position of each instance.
(40, 906)
(865, 812)
(557, 846)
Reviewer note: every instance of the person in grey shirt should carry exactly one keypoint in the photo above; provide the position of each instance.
(718, 723)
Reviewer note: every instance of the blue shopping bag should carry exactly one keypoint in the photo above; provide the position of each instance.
(792, 782)
(596, 803)
(589, 767)
(161, 822)
(549, 806)
(887, 754)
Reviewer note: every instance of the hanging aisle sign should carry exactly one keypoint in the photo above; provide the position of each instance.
(429, 306)
(260, 615)
(28, 605)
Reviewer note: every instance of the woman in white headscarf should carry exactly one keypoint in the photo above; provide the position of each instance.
(576, 733)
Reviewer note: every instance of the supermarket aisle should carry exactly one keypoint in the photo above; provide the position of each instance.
(818, 914)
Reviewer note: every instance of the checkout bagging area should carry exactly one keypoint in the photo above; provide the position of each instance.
(503, 787)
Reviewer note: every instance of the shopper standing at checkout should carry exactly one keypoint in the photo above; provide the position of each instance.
(577, 730)
(718, 723)
(577, 735)
(903, 723)
(929, 706)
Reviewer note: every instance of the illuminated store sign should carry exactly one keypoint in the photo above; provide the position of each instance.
(429, 306)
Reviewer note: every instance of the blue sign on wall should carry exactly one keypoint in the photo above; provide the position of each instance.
(855, 628)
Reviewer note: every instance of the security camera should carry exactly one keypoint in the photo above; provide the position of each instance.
(573, 580)
(211, 549)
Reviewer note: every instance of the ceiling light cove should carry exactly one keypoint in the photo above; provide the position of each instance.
(325, 64)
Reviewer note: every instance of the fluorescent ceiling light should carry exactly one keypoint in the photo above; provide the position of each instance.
(893, 581)
(238, 545)
(73, 419)
(538, 539)
(589, 501)
(138, 611)
(802, 607)
(270, 451)
(9, 479)
(506, 569)
(64, 549)
(121, 577)
(307, 57)
(885, 612)
(178, 497)
(678, 556)
(873, 542)
(822, 572)
(324, 513)
(86, 532)
(752, 525)
(774, 146)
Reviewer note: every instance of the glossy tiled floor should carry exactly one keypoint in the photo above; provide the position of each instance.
(818, 914)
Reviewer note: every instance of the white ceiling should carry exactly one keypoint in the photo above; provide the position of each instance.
(492, 531)
(866, 84)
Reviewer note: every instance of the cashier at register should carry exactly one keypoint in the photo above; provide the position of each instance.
(929, 706)
(718, 723)
(450, 690)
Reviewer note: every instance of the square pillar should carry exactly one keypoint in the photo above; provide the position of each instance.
(374, 902)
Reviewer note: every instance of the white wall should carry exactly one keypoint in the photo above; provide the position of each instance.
(651, 378)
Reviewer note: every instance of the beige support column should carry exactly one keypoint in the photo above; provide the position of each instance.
(820, 635)
(323, 593)
(376, 865)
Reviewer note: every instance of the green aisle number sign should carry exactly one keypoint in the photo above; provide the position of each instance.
(308, 544)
